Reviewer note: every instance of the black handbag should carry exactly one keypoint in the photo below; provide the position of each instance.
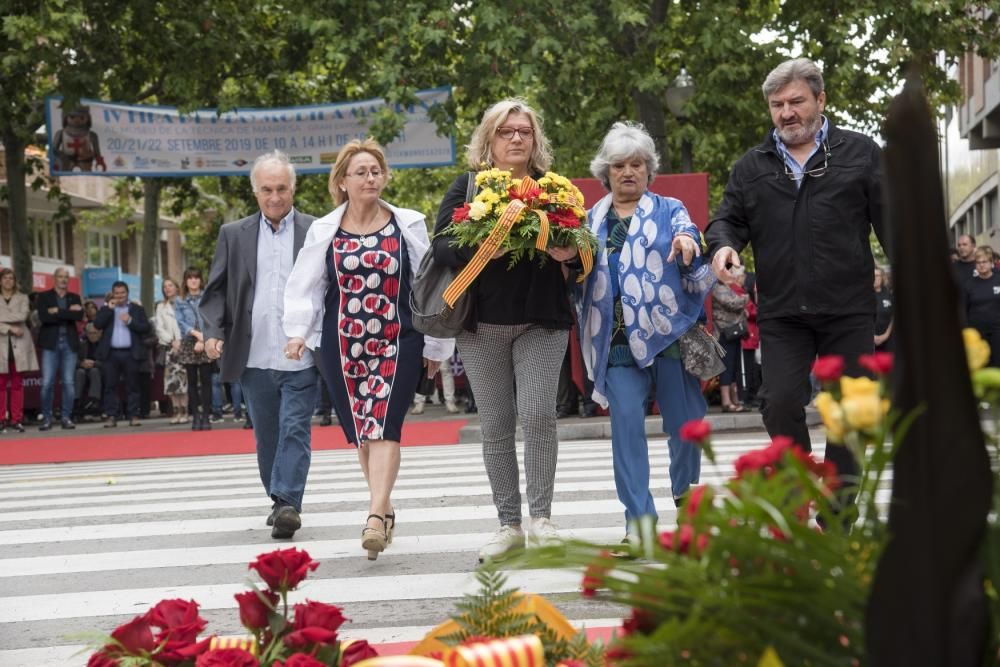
(431, 315)
(736, 331)
(701, 354)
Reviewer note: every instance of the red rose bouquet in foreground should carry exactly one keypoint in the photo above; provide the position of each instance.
(167, 635)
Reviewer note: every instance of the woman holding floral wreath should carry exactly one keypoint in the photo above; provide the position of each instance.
(647, 289)
(515, 336)
(348, 295)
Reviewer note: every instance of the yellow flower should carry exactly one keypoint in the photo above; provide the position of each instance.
(832, 414)
(477, 210)
(862, 412)
(858, 387)
(977, 350)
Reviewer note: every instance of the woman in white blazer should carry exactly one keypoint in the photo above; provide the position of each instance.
(348, 295)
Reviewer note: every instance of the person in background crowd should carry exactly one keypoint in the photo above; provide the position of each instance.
(123, 326)
(89, 311)
(730, 324)
(147, 369)
(750, 377)
(192, 351)
(982, 301)
(89, 383)
(58, 312)
(806, 201)
(243, 307)
(168, 336)
(965, 265)
(17, 351)
(348, 294)
(447, 386)
(516, 334)
(883, 311)
(632, 310)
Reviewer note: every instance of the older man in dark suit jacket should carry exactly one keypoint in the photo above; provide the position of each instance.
(242, 306)
(58, 311)
(123, 325)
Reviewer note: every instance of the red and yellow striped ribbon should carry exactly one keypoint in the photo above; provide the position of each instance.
(487, 248)
(246, 643)
(523, 651)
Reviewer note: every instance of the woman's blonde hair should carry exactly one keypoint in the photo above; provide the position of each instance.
(477, 153)
(339, 170)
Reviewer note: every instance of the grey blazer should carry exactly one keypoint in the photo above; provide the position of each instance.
(227, 300)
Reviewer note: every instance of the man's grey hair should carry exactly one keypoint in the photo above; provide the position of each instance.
(799, 69)
(623, 141)
(274, 157)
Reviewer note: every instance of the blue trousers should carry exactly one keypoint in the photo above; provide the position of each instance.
(62, 362)
(678, 394)
(280, 404)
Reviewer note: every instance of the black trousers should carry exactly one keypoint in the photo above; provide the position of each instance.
(789, 345)
(199, 388)
(121, 363)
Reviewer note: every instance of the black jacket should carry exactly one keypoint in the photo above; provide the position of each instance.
(48, 334)
(810, 244)
(138, 326)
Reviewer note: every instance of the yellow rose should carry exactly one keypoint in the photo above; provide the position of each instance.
(477, 210)
(862, 412)
(832, 414)
(858, 387)
(977, 350)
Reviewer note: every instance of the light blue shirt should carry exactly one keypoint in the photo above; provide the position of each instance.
(799, 169)
(121, 337)
(275, 256)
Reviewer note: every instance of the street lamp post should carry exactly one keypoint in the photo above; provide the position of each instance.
(678, 94)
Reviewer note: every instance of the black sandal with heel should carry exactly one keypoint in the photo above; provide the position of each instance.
(390, 526)
(373, 540)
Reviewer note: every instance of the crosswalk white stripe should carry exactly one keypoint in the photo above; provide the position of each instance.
(220, 596)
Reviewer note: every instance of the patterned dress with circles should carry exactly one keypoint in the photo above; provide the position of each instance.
(370, 353)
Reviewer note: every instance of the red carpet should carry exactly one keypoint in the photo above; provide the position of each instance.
(126, 443)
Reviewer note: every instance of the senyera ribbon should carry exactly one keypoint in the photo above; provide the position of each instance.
(511, 214)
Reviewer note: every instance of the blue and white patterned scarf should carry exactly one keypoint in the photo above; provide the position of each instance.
(660, 300)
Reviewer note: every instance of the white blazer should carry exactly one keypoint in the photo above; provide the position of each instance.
(305, 291)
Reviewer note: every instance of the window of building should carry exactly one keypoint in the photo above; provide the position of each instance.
(103, 249)
(48, 240)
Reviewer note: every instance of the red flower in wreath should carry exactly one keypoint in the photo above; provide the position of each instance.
(461, 214)
(564, 218)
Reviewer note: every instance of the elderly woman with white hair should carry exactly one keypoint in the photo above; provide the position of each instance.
(516, 334)
(647, 288)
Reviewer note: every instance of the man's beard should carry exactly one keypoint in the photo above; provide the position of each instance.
(802, 134)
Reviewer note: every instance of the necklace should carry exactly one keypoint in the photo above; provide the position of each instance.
(364, 231)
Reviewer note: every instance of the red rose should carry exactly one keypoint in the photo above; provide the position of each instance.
(828, 368)
(226, 657)
(178, 619)
(284, 569)
(102, 659)
(354, 652)
(681, 540)
(306, 637)
(314, 614)
(529, 195)
(461, 214)
(695, 498)
(254, 609)
(135, 636)
(879, 363)
(765, 459)
(301, 660)
(593, 576)
(696, 431)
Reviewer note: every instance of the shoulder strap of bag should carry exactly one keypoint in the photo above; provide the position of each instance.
(470, 189)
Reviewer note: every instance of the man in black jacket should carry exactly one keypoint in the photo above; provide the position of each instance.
(120, 351)
(58, 311)
(805, 200)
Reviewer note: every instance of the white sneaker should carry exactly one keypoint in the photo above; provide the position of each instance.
(450, 407)
(503, 542)
(418, 409)
(543, 533)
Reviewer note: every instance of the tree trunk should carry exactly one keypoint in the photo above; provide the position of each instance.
(17, 201)
(150, 240)
(649, 108)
